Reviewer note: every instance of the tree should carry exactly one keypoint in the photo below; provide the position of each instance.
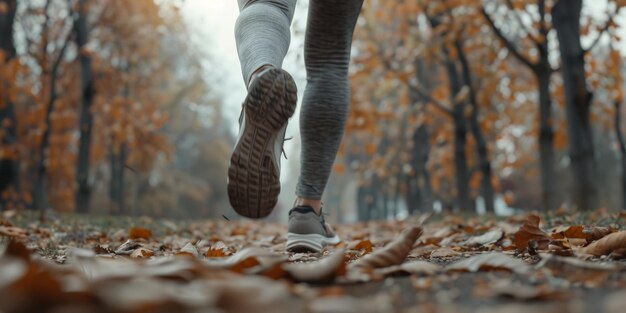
(86, 86)
(8, 63)
(538, 41)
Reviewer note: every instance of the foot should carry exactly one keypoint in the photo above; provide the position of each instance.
(254, 169)
(308, 231)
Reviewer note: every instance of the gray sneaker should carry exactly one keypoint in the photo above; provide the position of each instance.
(254, 168)
(308, 231)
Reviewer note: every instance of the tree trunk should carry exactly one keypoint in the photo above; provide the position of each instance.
(622, 148)
(396, 193)
(385, 204)
(566, 20)
(40, 199)
(361, 200)
(546, 140)
(422, 190)
(116, 188)
(481, 145)
(460, 139)
(8, 162)
(83, 192)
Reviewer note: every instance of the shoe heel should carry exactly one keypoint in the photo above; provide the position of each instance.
(304, 243)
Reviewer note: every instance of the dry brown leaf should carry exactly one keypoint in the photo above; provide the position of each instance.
(490, 261)
(444, 253)
(595, 233)
(141, 253)
(489, 237)
(139, 233)
(324, 270)
(618, 254)
(247, 258)
(219, 249)
(590, 234)
(393, 253)
(606, 245)
(576, 270)
(189, 249)
(364, 245)
(128, 247)
(530, 231)
(13, 232)
(412, 268)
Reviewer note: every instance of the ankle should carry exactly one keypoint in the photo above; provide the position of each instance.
(315, 204)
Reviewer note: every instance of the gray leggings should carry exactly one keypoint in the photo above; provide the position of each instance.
(263, 35)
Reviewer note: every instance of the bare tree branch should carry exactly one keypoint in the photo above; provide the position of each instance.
(433, 101)
(602, 31)
(507, 43)
(520, 22)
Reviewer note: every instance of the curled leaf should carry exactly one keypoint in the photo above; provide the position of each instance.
(530, 231)
(412, 268)
(128, 247)
(444, 253)
(486, 238)
(606, 245)
(141, 253)
(364, 245)
(246, 259)
(576, 270)
(490, 261)
(323, 270)
(393, 253)
(13, 232)
(189, 249)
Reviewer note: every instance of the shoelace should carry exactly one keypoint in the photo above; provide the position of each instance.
(283, 147)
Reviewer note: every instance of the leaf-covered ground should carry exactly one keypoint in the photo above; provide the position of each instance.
(564, 262)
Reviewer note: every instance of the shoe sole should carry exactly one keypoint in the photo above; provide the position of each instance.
(253, 176)
(300, 243)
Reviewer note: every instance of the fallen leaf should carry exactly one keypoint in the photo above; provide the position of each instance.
(444, 253)
(490, 261)
(606, 245)
(393, 253)
(127, 248)
(590, 234)
(364, 245)
(247, 258)
(13, 232)
(576, 270)
(324, 270)
(530, 231)
(412, 268)
(595, 233)
(141, 253)
(489, 237)
(219, 249)
(139, 233)
(189, 249)
(102, 249)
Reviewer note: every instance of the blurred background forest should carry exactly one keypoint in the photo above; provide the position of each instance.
(123, 107)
